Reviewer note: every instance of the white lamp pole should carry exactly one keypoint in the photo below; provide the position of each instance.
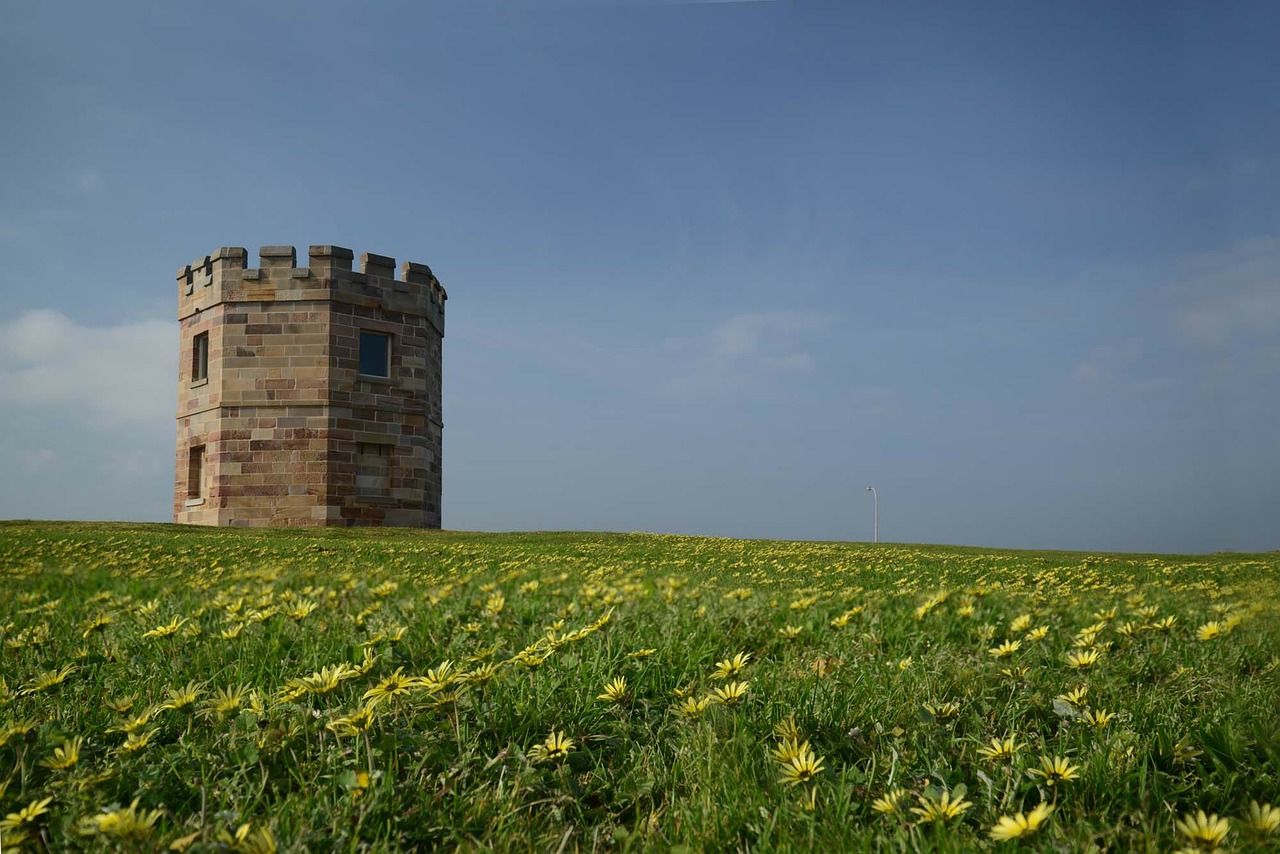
(875, 531)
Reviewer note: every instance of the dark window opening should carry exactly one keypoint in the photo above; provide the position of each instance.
(195, 472)
(200, 357)
(375, 354)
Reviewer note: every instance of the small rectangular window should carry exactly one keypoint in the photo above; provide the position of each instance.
(373, 468)
(195, 472)
(375, 354)
(200, 357)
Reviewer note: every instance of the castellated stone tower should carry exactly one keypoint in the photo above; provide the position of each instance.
(308, 395)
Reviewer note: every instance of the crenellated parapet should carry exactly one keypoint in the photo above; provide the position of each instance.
(309, 390)
(225, 276)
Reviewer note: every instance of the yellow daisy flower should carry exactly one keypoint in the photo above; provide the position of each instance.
(1054, 770)
(800, 768)
(1262, 818)
(731, 666)
(615, 691)
(1205, 831)
(1022, 824)
(1000, 749)
(731, 693)
(940, 808)
(891, 802)
(124, 823)
(556, 746)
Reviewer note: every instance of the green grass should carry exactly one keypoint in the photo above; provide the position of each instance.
(450, 763)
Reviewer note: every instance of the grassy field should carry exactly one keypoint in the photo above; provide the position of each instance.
(212, 690)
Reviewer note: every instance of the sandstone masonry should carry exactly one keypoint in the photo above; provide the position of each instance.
(308, 395)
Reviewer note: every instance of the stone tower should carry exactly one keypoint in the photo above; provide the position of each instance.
(308, 395)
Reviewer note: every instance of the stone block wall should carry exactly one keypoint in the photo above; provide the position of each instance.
(284, 411)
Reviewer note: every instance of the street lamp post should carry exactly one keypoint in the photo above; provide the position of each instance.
(875, 530)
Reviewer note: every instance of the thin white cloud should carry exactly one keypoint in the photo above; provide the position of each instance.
(743, 348)
(88, 181)
(1231, 296)
(120, 375)
(1087, 372)
(32, 461)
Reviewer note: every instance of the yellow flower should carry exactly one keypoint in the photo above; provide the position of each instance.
(46, 680)
(1020, 623)
(353, 724)
(788, 749)
(1263, 818)
(166, 630)
(360, 783)
(942, 711)
(66, 756)
(439, 678)
(135, 742)
(1020, 825)
(790, 632)
(325, 679)
(1038, 633)
(939, 808)
(385, 589)
(1209, 631)
(787, 728)
(97, 624)
(731, 693)
(226, 701)
(124, 823)
(615, 691)
(1077, 697)
(731, 666)
(183, 698)
(365, 667)
(246, 841)
(1128, 629)
(1000, 749)
(1183, 752)
(1054, 770)
(1097, 719)
(693, 707)
(395, 685)
(26, 815)
(556, 746)
(1206, 831)
(530, 659)
(1005, 649)
(801, 768)
(891, 802)
(137, 722)
(301, 610)
(1082, 660)
(482, 673)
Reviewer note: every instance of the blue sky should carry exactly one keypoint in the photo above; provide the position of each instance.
(712, 267)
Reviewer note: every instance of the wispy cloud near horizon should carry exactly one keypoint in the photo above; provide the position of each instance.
(121, 374)
(1232, 294)
(743, 348)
